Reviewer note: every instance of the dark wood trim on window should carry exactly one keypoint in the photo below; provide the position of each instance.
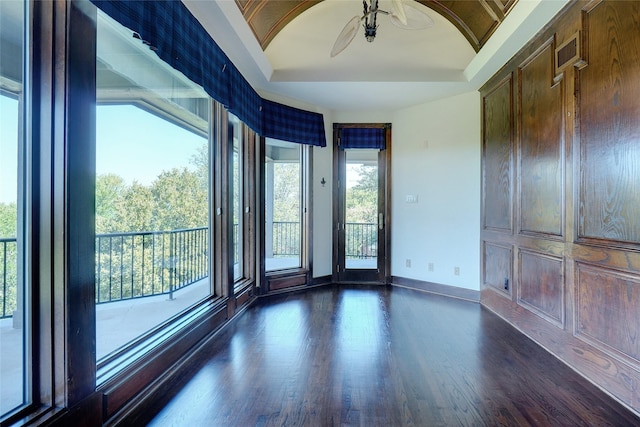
(79, 164)
(292, 278)
(248, 181)
(220, 232)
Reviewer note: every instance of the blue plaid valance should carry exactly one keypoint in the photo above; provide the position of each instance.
(179, 39)
(244, 102)
(277, 120)
(362, 138)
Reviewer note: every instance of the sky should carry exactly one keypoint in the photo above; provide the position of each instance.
(130, 142)
(137, 145)
(8, 149)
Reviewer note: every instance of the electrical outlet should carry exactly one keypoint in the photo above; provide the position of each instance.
(430, 266)
(456, 271)
(407, 263)
(506, 283)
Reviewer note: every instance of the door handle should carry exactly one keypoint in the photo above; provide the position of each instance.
(381, 221)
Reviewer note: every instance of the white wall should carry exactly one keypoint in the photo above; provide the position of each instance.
(323, 203)
(436, 157)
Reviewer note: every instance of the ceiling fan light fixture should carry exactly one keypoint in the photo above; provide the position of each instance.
(411, 18)
(370, 33)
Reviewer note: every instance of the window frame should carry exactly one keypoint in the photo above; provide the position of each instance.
(275, 281)
(60, 99)
(243, 287)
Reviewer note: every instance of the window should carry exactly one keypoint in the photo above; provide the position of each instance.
(152, 192)
(283, 205)
(361, 209)
(235, 134)
(14, 288)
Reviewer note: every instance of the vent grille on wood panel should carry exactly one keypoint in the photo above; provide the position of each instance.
(568, 53)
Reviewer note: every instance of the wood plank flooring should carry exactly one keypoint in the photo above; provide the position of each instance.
(379, 356)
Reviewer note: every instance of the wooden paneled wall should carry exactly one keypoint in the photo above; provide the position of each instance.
(561, 193)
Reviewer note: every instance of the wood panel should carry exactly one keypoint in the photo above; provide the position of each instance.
(497, 157)
(286, 281)
(541, 154)
(617, 377)
(577, 203)
(608, 309)
(496, 267)
(609, 103)
(541, 285)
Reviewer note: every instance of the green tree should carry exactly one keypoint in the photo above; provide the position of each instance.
(200, 161)
(136, 209)
(110, 191)
(286, 192)
(362, 198)
(8, 219)
(179, 200)
(8, 257)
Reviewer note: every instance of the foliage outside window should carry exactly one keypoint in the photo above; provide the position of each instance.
(283, 205)
(361, 208)
(152, 191)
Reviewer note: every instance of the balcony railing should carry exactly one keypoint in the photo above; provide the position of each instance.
(8, 276)
(361, 240)
(286, 239)
(137, 265)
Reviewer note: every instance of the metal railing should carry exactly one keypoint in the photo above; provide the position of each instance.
(361, 240)
(136, 265)
(286, 239)
(8, 276)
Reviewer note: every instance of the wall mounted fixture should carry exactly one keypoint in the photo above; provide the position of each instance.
(402, 15)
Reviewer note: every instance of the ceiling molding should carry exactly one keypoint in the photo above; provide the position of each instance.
(477, 20)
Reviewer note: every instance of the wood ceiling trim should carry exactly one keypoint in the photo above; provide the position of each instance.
(475, 19)
(267, 18)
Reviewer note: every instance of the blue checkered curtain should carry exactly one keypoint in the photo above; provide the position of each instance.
(244, 102)
(362, 138)
(169, 29)
(292, 124)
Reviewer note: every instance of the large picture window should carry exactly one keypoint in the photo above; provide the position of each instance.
(152, 192)
(14, 288)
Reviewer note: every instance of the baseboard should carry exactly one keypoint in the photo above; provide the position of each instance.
(322, 280)
(436, 288)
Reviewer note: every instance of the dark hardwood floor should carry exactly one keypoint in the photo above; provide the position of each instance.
(377, 356)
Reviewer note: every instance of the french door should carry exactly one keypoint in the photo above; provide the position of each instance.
(360, 223)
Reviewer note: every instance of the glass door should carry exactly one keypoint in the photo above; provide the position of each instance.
(360, 238)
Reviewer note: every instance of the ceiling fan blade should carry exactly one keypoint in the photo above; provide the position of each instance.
(346, 36)
(416, 19)
(398, 11)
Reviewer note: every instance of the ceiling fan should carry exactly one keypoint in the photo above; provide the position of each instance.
(402, 15)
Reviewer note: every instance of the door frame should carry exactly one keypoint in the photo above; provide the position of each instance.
(383, 273)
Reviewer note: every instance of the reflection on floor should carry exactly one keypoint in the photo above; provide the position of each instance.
(117, 323)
